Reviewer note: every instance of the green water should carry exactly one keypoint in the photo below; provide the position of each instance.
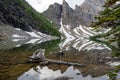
(13, 60)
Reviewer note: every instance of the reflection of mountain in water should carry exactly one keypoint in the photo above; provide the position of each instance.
(12, 43)
(78, 38)
(48, 74)
(80, 44)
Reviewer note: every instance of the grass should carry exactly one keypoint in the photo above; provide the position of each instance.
(43, 22)
(16, 8)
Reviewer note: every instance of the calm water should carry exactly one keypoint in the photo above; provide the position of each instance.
(14, 53)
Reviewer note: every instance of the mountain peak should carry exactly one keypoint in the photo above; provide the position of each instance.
(81, 15)
(65, 3)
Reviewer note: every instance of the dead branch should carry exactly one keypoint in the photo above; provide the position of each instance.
(39, 56)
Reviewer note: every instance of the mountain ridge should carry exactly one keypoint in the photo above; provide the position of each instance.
(81, 15)
(19, 14)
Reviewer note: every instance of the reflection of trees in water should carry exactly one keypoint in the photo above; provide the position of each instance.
(109, 41)
(12, 43)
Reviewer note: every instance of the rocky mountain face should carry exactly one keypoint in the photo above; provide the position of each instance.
(70, 17)
(81, 15)
(14, 16)
(19, 14)
(92, 6)
(54, 13)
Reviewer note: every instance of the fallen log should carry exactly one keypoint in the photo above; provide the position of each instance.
(39, 56)
(65, 63)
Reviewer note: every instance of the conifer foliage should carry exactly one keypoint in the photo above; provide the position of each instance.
(109, 18)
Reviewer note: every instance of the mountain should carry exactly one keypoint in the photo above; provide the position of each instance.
(70, 16)
(92, 6)
(54, 13)
(81, 15)
(19, 14)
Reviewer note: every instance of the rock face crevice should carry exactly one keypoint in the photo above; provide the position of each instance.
(81, 15)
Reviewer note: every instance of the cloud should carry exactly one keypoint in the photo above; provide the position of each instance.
(72, 3)
(42, 5)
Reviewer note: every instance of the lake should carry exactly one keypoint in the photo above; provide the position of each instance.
(14, 55)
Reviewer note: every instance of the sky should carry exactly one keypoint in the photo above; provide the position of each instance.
(42, 5)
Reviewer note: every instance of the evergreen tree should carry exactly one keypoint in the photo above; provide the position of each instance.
(110, 18)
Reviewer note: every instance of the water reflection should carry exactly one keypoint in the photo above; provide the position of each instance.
(48, 74)
(78, 38)
(80, 44)
(14, 53)
(13, 58)
(66, 44)
(12, 43)
(45, 73)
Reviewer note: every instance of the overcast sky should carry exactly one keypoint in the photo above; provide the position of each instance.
(41, 5)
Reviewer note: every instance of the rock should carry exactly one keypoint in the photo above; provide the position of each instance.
(91, 8)
(19, 14)
(54, 13)
(63, 78)
(81, 15)
(70, 17)
(14, 15)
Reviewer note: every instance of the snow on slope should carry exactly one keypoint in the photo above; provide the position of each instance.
(32, 34)
(78, 38)
(34, 37)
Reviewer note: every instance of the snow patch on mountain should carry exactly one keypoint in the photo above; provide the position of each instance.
(15, 35)
(32, 34)
(78, 38)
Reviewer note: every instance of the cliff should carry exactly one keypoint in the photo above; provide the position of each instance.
(19, 14)
(81, 15)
